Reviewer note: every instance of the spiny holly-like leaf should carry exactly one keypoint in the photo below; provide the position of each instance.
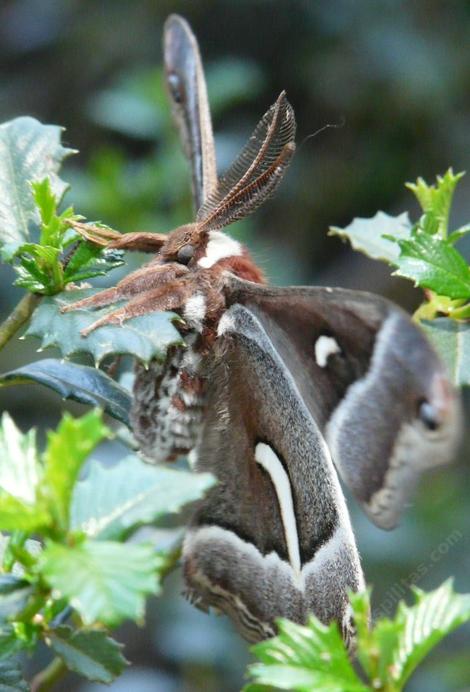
(452, 340)
(434, 263)
(19, 475)
(28, 151)
(436, 200)
(11, 677)
(90, 653)
(367, 235)
(104, 581)
(145, 337)
(430, 619)
(311, 657)
(67, 449)
(78, 382)
(110, 502)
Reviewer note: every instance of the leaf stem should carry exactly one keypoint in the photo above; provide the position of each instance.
(18, 317)
(46, 678)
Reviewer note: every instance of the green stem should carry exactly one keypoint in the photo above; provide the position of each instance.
(18, 317)
(46, 678)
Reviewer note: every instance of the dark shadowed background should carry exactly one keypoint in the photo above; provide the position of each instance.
(396, 77)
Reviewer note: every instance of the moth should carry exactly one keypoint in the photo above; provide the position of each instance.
(277, 390)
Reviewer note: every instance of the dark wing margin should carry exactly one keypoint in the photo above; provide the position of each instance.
(363, 369)
(256, 172)
(273, 537)
(188, 94)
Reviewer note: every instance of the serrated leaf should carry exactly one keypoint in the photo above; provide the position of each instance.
(436, 200)
(110, 502)
(145, 337)
(305, 658)
(104, 581)
(452, 341)
(28, 151)
(434, 263)
(67, 449)
(367, 235)
(14, 593)
(11, 677)
(430, 619)
(77, 382)
(90, 653)
(89, 260)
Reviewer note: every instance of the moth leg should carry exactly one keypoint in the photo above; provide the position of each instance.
(106, 237)
(168, 297)
(147, 277)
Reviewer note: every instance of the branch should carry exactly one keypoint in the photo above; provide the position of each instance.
(18, 317)
(46, 678)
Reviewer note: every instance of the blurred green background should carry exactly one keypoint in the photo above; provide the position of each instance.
(395, 76)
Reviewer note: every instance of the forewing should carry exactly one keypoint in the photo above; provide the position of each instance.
(257, 171)
(273, 537)
(364, 370)
(188, 95)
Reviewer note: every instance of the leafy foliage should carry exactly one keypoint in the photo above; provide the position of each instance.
(145, 337)
(425, 253)
(42, 266)
(90, 653)
(78, 382)
(29, 151)
(104, 581)
(110, 503)
(315, 657)
(81, 562)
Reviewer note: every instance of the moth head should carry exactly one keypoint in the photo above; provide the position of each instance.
(184, 244)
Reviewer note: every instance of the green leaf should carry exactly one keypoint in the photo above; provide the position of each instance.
(459, 233)
(19, 476)
(110, 502)
(10, 644)
(67, 449)
(104, 581)
(311, 657)
(436, 200)
(11, 678)
(90, 653)
(77, 382)
(430, 619)
(145, 337)
(434, 263)
(89, 260)
(367, 235)
(14, 592)
(28, 151)
(19, 466)
(452, 341)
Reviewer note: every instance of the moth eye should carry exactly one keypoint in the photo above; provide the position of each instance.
(185, 254)
(428, 415)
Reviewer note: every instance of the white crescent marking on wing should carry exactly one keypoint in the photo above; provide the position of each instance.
(325, 346)
(266, 457)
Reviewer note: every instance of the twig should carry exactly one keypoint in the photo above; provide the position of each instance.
(18, 317)
(46, 678)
